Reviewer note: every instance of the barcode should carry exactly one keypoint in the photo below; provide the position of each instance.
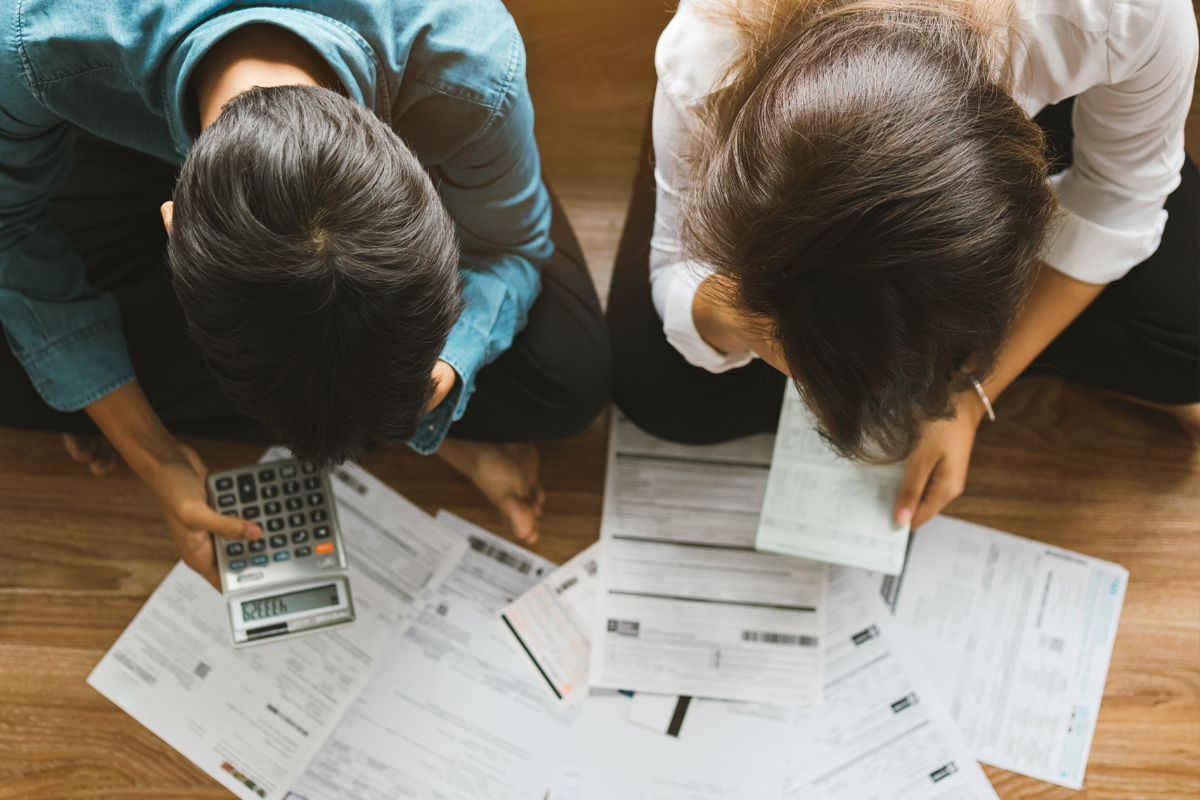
(351, 481)
(507, 559)
(623, 627)
(907, 701)
(944, 772)
(779, 638)
(865, 635)
(202, 669)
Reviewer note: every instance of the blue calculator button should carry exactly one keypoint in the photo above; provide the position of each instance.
(282, 555)
(239, 564)
(259, 561)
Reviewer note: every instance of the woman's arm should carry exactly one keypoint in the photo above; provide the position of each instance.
(936, 471)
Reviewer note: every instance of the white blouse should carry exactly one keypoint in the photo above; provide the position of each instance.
(1130, 63)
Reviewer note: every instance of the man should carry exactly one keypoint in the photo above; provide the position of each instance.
(355, 177)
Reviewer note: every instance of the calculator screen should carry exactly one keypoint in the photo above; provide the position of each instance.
(289, 603)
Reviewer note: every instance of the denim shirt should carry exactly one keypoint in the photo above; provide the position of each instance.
(447, 76)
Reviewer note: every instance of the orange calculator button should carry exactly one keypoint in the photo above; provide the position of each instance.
(325, 547)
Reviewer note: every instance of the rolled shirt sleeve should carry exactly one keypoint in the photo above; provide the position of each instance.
(1128, 146)
(494, 192)
(65, 334)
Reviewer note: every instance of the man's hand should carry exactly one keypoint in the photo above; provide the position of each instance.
(178, 486)
(173, 473)
(444, 378)
(936, 471)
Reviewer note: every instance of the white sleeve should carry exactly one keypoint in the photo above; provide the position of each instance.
(674, 280)
(1128, 146)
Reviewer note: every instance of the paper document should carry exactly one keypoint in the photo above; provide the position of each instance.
(821, 506)
(452, 713)
(1017, 636)
(725, 751)
(685, 604)
(881, 732)
(253, 718)
(551, 624)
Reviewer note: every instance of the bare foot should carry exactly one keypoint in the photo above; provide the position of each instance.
(94, 450)
(507, 474)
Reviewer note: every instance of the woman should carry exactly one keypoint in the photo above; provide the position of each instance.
(853, 194)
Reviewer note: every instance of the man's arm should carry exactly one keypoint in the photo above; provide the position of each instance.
(501, 208)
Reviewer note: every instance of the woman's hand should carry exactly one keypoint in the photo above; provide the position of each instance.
(936, 471)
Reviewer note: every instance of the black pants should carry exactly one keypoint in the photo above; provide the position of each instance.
(1141, 337)
(550, 384)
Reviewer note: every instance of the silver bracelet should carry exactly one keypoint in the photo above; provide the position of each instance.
(987, 404)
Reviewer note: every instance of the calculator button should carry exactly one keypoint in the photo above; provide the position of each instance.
(272, 507)
(275, 524)
(250, 512)
(321, 532)
(224, 484)
(319, 515)
(259, 561)
(278, 540)
(291, 487)
(316, 498)
(270, 491)
(234, 548)
(301, 552)
(256, 545)
(282, 555)
(230, 513)
(236, 565)
(287, 471)
(247, 490)
(266, 475)
(324, 547)
(308, 469)
(226, 500)
(299, 536)
(296, 520)
(294, 503)
(312, 483)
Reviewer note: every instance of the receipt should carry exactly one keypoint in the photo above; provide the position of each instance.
(452, 713)
(551, 624)
(685, 604)
(821, 506)
(1017, 636)
(253, 718)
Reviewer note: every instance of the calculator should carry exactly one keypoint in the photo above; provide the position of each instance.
(293, 580)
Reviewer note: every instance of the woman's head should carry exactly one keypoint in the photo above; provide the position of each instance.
(876, 201)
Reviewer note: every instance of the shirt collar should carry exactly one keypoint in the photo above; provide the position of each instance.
(348, 54)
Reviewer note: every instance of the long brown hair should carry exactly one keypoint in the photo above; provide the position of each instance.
(876, 199)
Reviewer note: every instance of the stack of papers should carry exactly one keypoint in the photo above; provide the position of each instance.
(672, 660)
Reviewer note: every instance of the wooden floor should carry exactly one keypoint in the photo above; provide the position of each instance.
(1062, 464)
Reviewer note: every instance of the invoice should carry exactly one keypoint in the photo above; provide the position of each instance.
(1017, 636)
(452, 714)
(686, 605)
(821, 506)
(253, 718)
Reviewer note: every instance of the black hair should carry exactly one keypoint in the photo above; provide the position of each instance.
(317, 269)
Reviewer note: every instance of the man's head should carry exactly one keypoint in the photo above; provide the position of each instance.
(317, 269)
